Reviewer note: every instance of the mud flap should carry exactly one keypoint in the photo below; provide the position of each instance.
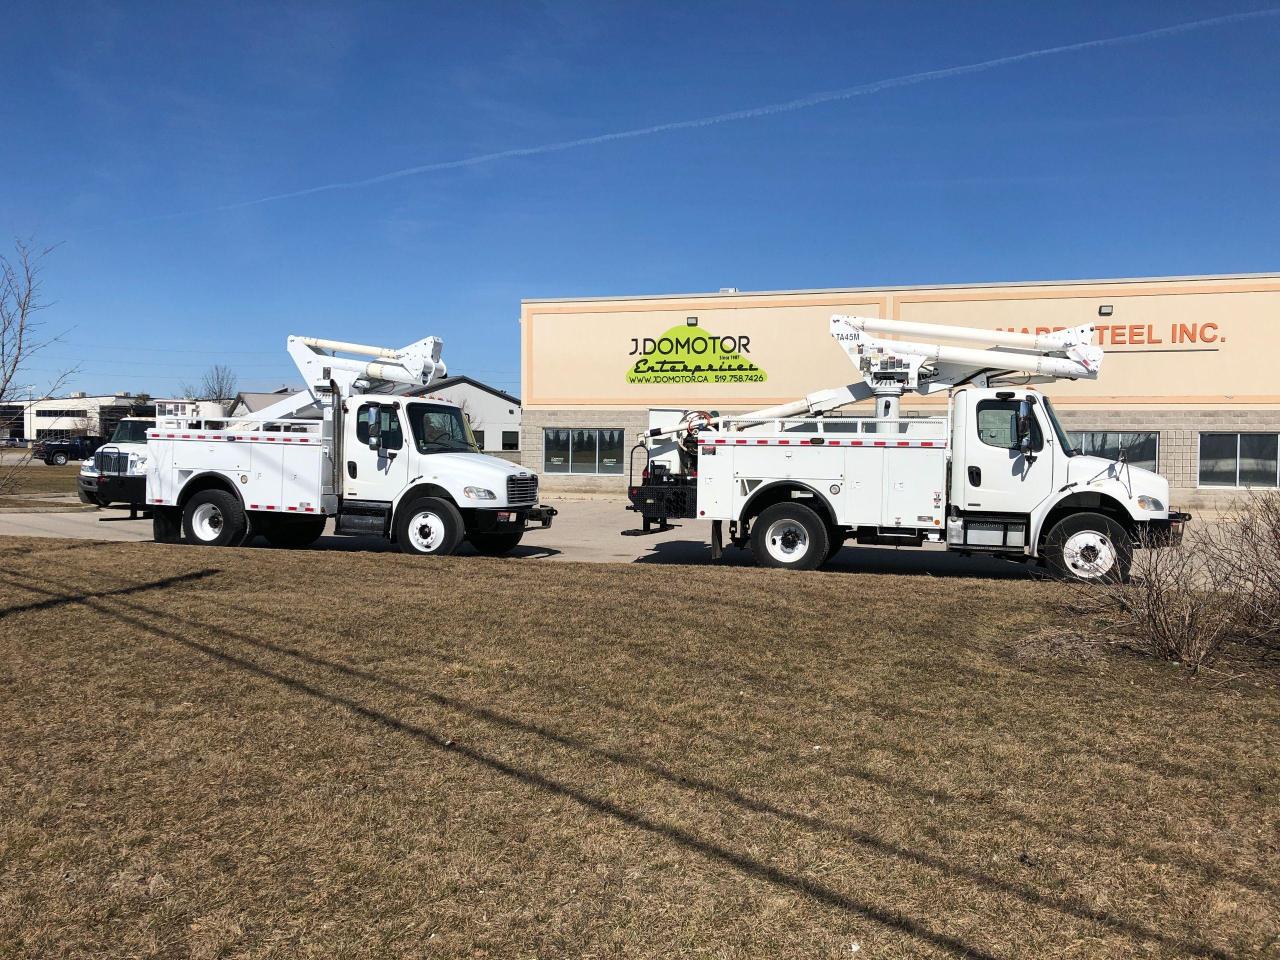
(166, 524)
(717, 539)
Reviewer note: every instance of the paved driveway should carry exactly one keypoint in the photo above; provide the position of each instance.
(587, 530)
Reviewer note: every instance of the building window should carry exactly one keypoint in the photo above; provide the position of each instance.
(582, 450)
(1140, 449)
(55, 414)
(510, 439)
(1239, 460)
(479, 435)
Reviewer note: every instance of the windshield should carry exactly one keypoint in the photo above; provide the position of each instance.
(132, 431)
(1061, 434)
(438, 428)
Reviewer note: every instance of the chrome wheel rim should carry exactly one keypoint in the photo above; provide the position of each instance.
(426, 531)
(786, 540)
(206, 522)
(1089, 555)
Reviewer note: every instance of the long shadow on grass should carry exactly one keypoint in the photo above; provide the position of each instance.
(58, 600)
(684, 838)
(1153, 855)
(1028, 895)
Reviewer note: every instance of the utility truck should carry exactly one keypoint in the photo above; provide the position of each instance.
(359, 446)
(996, 476)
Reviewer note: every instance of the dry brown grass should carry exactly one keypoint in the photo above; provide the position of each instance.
(36, 477)
(279, 754)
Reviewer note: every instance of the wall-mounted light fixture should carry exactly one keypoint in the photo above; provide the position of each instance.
(1106, 310)
(690, 321)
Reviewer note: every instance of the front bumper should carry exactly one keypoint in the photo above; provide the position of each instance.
(1165, 533)
(107, 488)
(87, 488)
(541, 514)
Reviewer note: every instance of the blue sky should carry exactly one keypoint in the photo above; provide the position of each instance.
(138, 134)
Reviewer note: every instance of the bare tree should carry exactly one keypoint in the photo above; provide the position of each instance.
(218, 383)
(21, 335)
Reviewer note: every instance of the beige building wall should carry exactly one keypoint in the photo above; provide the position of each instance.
(1183, 356)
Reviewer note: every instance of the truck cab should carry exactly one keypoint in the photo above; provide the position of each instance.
(117, 471)
(1017, 484)
(411, 469)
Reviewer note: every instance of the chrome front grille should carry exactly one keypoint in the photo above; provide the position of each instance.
(111, 461)
(522, 489)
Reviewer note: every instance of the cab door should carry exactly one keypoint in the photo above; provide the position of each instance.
(376, 461)
(1000, 474)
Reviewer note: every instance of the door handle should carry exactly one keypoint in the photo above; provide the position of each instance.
(351, 469)
(975, 476)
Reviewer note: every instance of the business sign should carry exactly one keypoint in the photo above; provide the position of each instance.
(687, 354)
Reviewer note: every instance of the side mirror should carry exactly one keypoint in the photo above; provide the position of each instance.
(375, 428)
(1024, 428)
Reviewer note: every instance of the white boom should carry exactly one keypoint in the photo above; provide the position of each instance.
(392, 371)
(890, 368)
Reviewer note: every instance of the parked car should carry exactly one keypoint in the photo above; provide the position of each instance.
(12, 442)
(58, 452)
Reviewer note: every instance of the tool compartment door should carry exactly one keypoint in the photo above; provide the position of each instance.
(790, 461)
(914, 488)
(210, 455)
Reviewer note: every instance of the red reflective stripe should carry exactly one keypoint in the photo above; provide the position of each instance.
(904, 443)
(722, 441)
(880, 443)
(739, 441)
(835, 443)
(253, 506)
(762, 442)
(291, 508)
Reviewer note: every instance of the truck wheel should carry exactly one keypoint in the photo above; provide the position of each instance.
(291, 533)
(57, 460)
(166, 525)
(836, 537)
(430, 526)
(493, 543)
(1088, 548)
(790, 536)
(214, 518)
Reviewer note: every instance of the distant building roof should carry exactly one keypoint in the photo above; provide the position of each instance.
(460, 379)
(249, 402)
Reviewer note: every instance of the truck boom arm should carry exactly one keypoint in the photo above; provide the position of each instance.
(890, 368)
(390, 371)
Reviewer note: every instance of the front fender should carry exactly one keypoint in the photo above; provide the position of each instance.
(1107, 496)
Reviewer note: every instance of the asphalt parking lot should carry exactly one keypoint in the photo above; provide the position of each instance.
(593, 531)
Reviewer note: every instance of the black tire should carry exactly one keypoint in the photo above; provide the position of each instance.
(836, 536)
(789, 536)
(291, 534)
(1088, 548)
(430, 526)
(166, 525)
(494, 543)
(214, 518)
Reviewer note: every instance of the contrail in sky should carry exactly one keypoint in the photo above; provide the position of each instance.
(788, 106)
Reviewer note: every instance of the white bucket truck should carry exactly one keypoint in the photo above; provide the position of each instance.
(997, 475)
(358, 447)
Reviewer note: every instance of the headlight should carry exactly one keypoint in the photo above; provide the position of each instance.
(478, 493)
(1150, 503)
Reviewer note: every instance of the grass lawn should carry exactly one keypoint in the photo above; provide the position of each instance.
(285, 753)
(37, 477)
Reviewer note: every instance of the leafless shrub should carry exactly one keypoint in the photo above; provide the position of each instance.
(1178, 604)
(1245, 547)
(21, 335)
